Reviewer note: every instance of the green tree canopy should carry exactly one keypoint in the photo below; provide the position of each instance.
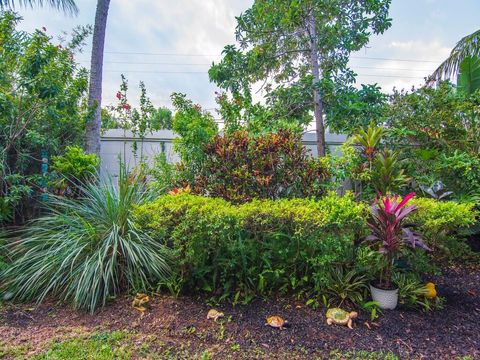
(42, 105)
(283, 41)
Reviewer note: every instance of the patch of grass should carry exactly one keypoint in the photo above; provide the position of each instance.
(100, 346)
(362, 355)
(9, 351)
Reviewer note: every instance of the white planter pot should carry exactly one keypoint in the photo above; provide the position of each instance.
(387, 299)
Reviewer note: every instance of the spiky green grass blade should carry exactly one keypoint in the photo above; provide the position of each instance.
(86, 251)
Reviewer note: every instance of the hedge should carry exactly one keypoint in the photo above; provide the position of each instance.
(254, 248)
(266, 246)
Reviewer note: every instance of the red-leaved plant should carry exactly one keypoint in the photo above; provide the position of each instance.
(387, 225)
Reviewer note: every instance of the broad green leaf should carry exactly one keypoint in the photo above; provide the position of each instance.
(469, 76)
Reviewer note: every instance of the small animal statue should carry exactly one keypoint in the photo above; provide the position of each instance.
(214, 314)
(141, 302)
(430, 291)
(276, 322)
(341, 317)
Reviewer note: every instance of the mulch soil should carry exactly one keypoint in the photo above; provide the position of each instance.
(446, 334)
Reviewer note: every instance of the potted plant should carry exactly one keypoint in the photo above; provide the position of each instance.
(392, 236)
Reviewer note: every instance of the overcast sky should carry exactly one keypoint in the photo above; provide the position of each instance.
(150, 40)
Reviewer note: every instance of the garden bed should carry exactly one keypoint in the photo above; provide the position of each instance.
(178, 328)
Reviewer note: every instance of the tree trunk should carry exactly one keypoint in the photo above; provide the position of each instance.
(317, 101)
(92, 136)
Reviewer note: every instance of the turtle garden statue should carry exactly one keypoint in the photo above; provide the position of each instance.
(341, 317)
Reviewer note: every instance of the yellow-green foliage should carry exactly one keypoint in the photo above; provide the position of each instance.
(439, 217)
(257, 247)
(439, 221)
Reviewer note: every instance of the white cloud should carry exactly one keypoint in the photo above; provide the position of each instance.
(145, 26)
(399, 64)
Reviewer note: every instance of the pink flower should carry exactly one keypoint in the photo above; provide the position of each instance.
(119, 95)
(126, 107)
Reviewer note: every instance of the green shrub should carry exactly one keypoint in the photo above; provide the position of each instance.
(164, 175)
(85, 251)
(411, 293)
(260, 247)
(43, 108)
(73, 168)
(75, 163)
(239, 167)
(439, 221)
(195, 128)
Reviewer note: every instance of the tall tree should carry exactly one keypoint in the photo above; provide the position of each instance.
(282, 41)
(67, 6)
(92, 136)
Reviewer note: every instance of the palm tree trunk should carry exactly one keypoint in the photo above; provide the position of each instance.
(92, 136)
(317, 101)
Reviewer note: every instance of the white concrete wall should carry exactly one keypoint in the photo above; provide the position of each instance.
(117, 143)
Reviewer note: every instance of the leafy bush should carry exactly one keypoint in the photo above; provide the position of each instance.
(75, 163)
(74, 167)
(42, 108)
(238, 168)
(369, 164)
(164, 176)
(436, 132)
(196, 128)
(259, 247)
(439, 220)
(86, 251)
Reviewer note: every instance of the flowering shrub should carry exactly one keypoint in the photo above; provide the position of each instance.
(239, 167)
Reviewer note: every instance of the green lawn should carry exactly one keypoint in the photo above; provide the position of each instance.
(124, 345)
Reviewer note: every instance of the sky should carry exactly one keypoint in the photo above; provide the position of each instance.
(170, 44)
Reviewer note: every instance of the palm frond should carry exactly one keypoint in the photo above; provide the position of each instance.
(467, 46)
(67, 6)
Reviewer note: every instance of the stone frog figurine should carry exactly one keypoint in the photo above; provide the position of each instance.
(141, 302)
(276, 322)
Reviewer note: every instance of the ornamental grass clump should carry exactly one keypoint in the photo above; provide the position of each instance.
(388, 230)
(86, 251)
